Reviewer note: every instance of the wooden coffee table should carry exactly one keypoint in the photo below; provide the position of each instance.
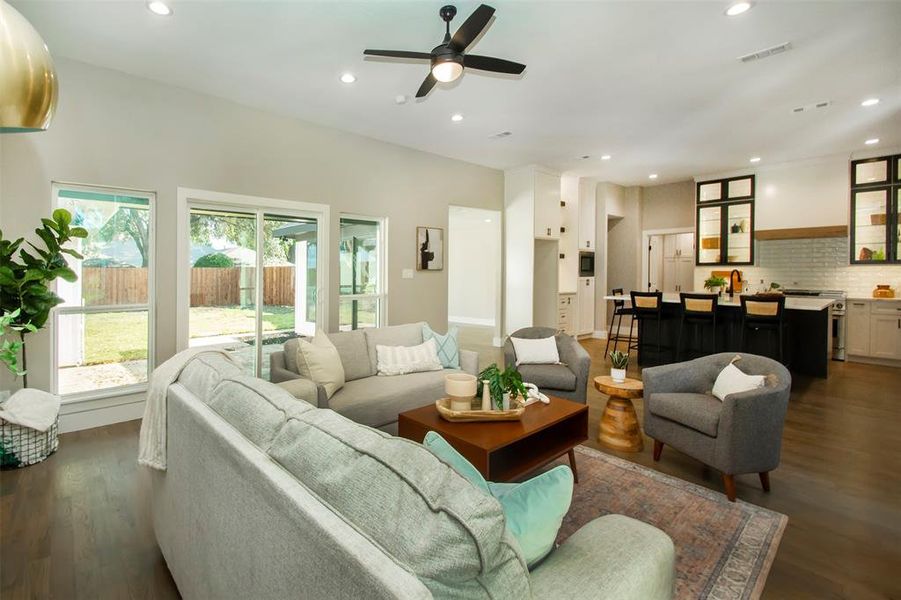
(507, 450)
(619, 429)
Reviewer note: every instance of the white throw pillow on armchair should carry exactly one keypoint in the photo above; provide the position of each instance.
(540, 351)
(732, 380)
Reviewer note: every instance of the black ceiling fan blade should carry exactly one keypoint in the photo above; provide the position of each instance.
(427, 85)
(471, 28)
(398, 54)
(495, 65)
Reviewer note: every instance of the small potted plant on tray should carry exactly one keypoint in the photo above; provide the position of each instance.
(503, 386)
(619, 361)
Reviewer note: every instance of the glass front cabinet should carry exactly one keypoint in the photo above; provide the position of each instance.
(725, 221)
(875, 231)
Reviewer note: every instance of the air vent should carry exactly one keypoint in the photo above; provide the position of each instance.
(766, 52)
(812, 107)
(501, 135)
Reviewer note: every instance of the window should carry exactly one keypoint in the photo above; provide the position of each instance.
(362, 287)
(875, 231)
(103, 328)
(725, 221)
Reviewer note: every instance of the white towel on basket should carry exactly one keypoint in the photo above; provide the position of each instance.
(31, 408)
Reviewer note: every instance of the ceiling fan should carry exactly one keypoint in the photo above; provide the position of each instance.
(449, 58)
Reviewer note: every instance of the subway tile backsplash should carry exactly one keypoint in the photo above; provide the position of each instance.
(812, 263)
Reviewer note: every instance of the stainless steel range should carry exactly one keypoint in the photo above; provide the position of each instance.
(839, 327)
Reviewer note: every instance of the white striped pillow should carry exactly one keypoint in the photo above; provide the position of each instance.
(400, 360)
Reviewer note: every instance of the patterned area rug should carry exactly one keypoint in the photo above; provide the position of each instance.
(724, 549)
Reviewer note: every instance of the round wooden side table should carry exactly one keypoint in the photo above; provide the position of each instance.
(619, 429)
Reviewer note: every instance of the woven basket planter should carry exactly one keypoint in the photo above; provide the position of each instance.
(23, 446)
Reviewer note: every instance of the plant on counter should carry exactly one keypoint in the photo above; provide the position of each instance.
(508, 381)
(774, 285)
(619, 361)
(711, 283)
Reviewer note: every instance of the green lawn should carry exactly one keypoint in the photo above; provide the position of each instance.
(117, 337)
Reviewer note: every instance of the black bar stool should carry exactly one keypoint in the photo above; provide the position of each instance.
(647, 308)
(699, 311)
(619, 310)
(764, 313)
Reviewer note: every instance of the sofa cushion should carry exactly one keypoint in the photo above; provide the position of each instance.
(397, 335)
(440, 447)
(205, 371)
(700, 412)
(555, 377)
(319, 361)
(376, 401)
(403, 360)
(354, 353)
(415, 507)
(256, 408)
(448, 347)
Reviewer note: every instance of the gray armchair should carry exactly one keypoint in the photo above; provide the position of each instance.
(567, 380)
(742, 434)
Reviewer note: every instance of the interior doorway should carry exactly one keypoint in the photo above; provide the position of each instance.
(669, 261)
(474, 246)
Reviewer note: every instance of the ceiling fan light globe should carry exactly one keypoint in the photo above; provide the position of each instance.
(447, 71)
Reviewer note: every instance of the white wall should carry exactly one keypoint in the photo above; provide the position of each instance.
(667, 206)
(118, 130)
(473, 265)
(519, 249)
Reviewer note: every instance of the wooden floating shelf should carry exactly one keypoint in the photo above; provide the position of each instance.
(800, 233)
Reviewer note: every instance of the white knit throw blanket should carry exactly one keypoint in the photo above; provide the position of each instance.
(152, 443)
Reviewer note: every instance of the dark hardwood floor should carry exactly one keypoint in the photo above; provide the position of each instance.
(78, 525)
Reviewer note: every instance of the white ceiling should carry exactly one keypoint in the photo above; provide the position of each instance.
(655, 84)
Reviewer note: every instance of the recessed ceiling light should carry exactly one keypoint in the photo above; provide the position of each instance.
(487, 220)
(400, 99)
(606, 157)
(737, 8)
(870, 102)
(158, 7)
(456, 118)
(348, 78)
(871, 141)
(652, 176)
(755, 159)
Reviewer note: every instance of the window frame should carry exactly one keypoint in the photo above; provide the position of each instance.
(892, 186)
(149, 307)
(381, 294)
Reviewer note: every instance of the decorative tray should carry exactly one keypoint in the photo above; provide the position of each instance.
(464, 416)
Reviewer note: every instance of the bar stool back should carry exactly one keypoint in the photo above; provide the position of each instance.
(698, 310)
(764, 313)
(648, 308)
(619, 310)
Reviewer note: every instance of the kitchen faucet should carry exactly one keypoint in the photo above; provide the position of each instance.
(732, 282)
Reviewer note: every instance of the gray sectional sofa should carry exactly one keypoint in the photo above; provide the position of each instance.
(267, 497)
(367, 398)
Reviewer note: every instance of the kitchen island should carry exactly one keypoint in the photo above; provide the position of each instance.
(807, 341)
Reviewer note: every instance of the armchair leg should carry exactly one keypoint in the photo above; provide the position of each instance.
(658, 449)
(765, 480)
(729, 484)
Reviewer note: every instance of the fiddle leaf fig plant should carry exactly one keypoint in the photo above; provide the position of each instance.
(500, 382)
(25, 277)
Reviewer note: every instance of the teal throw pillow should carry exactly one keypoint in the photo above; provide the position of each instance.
(448, 349)
(438, 446)
(533, 509)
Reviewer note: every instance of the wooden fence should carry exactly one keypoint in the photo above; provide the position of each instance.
(209, 286)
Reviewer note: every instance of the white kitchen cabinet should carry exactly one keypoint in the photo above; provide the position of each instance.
(548, 216)
(587, 217)
(585, 299)
(679, 245)
(857, 340)
(569, 235)
(885, 336)
(874, 329)
(566, 321)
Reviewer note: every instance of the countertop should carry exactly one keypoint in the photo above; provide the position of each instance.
(791, 302)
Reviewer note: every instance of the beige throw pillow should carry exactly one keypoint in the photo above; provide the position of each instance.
(319, 361)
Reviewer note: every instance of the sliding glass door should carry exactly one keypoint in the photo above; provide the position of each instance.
(253, 280)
